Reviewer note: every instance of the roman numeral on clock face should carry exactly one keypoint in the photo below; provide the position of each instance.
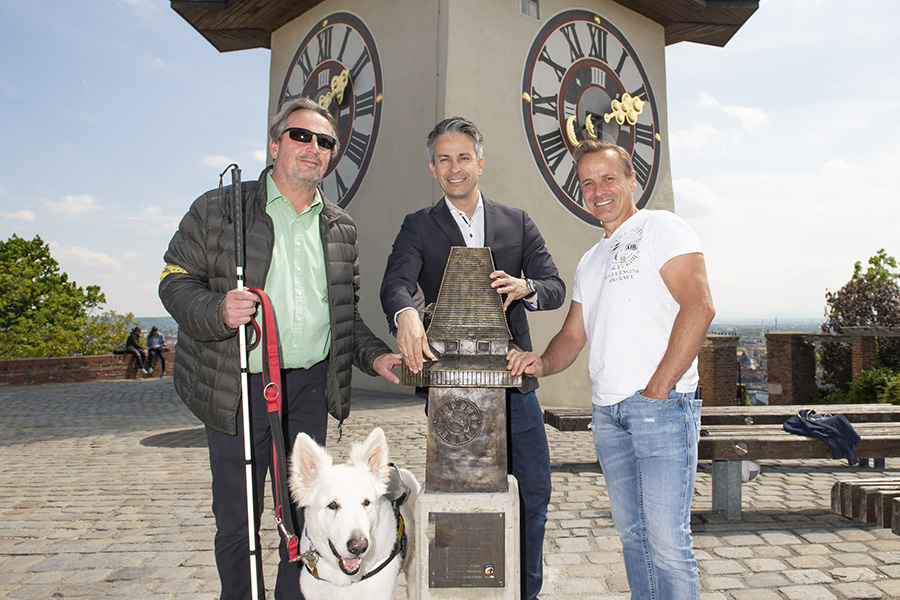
(324, 39)
(553, 148)
(546, 105)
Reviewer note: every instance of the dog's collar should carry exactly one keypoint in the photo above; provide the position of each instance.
(310, 558)
(399, 547)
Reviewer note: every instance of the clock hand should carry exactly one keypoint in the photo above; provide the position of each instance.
(588, 127)
(338, 85)
(627, 109)
(459, 421)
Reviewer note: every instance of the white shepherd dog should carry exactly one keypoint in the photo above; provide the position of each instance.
(354, 540)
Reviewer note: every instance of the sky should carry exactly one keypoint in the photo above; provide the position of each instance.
(116, 114)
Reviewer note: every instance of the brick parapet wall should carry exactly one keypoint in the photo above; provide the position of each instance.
(865, 354)
(717, 365)
(67, 369)
(791, 367)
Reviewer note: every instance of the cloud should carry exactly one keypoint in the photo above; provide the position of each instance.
(84, 257)
(702, 136)
(694, 200)
(774, 241)
(131, 256)
(707, 101)
(260, 156)
(71, 206)
(153, 213)
(750, 118)
(217, 161)
(139, 5)
(159, 63)
(24, 215)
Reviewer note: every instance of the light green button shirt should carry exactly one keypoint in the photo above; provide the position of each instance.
(296, 284)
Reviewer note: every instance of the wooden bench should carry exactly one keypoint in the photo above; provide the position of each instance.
(732, 434)
(578, 419)
(868, 500)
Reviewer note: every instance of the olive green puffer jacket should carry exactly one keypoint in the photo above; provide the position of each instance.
(200, 269)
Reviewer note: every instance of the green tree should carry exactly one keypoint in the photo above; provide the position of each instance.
(870, 298)
(42, 313)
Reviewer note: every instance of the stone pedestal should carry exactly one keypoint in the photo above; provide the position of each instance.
(467, 546)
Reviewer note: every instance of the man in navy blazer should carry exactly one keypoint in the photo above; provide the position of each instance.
(526, 278)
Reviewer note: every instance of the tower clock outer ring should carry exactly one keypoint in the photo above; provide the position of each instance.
(341, 41)
(578, 63)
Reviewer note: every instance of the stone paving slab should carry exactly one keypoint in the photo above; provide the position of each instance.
(104, 493)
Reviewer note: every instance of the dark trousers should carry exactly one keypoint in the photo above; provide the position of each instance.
(140, 357)
(529, 461)
(158, 352)
(304, 410)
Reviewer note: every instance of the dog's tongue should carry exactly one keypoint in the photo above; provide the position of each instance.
(351, 565)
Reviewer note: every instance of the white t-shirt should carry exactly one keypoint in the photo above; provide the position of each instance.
(628, 312)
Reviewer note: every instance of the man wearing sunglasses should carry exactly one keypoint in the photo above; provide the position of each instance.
(302, 250)
(526, 278)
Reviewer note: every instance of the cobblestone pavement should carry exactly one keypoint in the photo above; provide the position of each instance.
(104, 494)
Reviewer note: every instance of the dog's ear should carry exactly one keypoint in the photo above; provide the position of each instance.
(372, 453)
(308, 460)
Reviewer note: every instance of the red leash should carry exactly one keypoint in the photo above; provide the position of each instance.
(271, 373)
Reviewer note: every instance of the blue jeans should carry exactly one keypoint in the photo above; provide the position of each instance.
(529, 462)
(648, 452)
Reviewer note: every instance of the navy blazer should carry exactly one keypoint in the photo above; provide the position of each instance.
(422, 248)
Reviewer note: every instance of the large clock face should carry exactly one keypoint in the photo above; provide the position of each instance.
(337, 64)
(582, 79)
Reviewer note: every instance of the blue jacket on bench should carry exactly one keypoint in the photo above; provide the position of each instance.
(835, 430)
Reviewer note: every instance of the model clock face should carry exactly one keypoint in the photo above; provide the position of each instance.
(458, 422)
(582, 79)
(337, 64)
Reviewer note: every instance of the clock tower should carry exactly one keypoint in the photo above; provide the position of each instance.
(536, 76)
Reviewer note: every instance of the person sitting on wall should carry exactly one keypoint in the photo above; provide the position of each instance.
(156, 344)
(133, 346)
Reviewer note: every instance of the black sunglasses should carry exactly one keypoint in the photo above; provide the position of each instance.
(304, 136)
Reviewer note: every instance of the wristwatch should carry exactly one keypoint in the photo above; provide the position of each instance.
(530, 287)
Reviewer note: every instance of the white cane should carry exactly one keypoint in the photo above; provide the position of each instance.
(238, 215)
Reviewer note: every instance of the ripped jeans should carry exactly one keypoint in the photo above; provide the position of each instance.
(648, 452)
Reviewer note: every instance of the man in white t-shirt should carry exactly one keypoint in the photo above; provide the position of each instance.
(641, 301)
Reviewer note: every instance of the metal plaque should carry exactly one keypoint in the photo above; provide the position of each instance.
(466, 550)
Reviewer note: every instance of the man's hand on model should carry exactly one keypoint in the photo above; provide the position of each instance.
(238, 307)
(411, 340)
(385, 364)
(513, 287)
(528, 363)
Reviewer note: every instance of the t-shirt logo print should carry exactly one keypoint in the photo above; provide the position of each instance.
(626, 250)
